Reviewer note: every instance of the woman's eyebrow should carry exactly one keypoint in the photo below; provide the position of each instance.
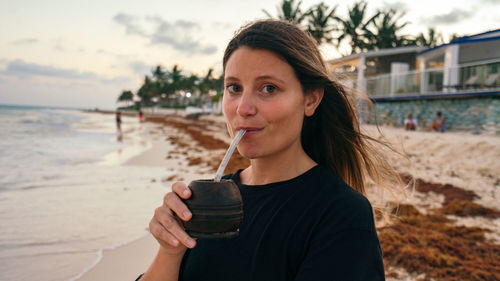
(264, 77)
(232, 78)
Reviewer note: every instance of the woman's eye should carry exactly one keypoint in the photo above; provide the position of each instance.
(233, 88)
(269, 89)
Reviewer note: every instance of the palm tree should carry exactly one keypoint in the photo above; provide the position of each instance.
(354, 27)
(432, 39)
(454, 36)
(172, 83)
(147, 91)
(189, 83)
(159, 74)
(318, 22)
(126, 96)
(206, 83)
(387, 29)
(289, 11)
(175, 77)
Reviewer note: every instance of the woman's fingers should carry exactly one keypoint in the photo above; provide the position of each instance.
(182, 190)
(162, 235)
(170, 224)
(174, 203)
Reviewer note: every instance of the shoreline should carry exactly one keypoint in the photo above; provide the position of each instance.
(168, 149)
(435, 159)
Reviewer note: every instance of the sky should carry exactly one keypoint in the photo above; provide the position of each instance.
(84, 53)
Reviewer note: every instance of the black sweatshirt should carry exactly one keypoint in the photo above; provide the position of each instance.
(312, 227)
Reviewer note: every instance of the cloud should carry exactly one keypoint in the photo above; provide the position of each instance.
(140, 68)
(454, 16)
(222, 25)
(490, 1)
(130, 23)
(24, 41)
(19, 68)
(178, 34)
(398, 5)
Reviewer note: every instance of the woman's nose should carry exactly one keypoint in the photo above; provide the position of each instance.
(246, 105)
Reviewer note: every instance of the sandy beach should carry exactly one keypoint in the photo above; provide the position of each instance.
(447, 228)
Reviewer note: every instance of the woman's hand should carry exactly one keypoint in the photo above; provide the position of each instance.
(166, 227)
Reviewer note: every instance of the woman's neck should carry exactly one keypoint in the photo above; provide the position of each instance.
(275, 168)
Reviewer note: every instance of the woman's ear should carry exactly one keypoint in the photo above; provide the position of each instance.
(312, 100)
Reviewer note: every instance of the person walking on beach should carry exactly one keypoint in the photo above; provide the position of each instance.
(305, 213)
(119, 121)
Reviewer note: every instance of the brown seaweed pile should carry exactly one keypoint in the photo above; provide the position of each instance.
(431, 244)
(195, 130)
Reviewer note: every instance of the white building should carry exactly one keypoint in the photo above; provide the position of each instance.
(466, 66)
(469, 63)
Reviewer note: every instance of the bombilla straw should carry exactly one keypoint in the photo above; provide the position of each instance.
(229, 152)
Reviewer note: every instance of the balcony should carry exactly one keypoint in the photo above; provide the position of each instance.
(465, 79)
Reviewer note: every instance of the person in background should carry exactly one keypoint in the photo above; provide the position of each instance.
(141, 116)
(438, 124)
(305, 213)
(119, 121)
(410, 123)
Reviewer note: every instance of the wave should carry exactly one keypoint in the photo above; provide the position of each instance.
(100, 255)
(39, 243)
(48, 254)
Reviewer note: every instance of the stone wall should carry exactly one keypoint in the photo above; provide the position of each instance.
(474, 114)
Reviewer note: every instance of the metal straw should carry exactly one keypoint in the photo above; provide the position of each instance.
(229, 152)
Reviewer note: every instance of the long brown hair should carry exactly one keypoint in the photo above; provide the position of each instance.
(332, 136)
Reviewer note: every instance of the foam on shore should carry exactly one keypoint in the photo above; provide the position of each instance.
(100, 255)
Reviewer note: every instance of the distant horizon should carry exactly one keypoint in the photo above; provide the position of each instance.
(43, 106)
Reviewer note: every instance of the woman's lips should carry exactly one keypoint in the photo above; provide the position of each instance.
(251, 131)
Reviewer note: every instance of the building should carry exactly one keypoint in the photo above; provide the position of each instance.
(460, 79)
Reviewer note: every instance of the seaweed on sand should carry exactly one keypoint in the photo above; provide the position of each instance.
(195, 129)
(430, 244)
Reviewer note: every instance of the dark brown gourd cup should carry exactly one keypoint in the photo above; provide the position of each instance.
(217, 209)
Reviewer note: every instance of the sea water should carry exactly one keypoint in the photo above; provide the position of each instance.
(65, 192)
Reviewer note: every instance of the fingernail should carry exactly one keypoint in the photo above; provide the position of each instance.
(185, 192)
(186, 214)
(190, 242)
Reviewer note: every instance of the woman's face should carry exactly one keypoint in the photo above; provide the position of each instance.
(263, 95)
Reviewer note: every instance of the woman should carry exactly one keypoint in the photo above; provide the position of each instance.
(410, 123)
(305, 216)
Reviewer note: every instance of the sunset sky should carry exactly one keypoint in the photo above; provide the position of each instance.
(83, 53)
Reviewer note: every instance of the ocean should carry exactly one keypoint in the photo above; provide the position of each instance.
(66, 192)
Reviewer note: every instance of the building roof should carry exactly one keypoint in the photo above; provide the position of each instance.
(484, 36)
(380, 53)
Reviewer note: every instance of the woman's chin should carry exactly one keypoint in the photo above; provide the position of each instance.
(247, 153)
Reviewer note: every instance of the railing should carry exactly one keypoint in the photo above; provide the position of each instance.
(484, 76)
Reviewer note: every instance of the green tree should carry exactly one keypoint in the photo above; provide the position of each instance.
(147, 91)
(430, 40)
(175, 77)
(208, 82)
(454, 36)
(354, 27)
(386, 28)
(161, 83)
(126, 96)
(159, 74)
(190, 83)
(290, 11)
(319, 23)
